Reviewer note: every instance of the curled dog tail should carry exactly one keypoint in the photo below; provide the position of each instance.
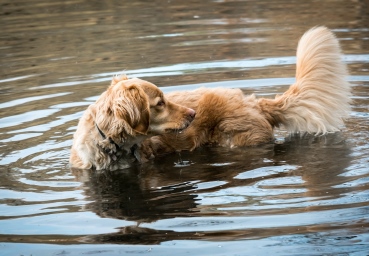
(319, 100)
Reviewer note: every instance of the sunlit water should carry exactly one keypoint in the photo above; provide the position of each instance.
(299, 196)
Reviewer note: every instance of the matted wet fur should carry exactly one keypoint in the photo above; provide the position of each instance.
(317, 103)
(125, 114)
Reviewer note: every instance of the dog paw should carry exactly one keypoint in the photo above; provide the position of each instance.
(145, 152)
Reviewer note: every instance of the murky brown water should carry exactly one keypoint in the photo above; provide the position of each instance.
(300, 196)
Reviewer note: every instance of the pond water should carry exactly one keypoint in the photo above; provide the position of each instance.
(300, 196)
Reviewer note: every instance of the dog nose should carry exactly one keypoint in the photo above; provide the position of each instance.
(191, 113)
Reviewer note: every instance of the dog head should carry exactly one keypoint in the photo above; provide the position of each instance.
(165, 116)
(135, 107)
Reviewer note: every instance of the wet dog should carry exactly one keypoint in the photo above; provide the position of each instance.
(125, 114)
(317, 103)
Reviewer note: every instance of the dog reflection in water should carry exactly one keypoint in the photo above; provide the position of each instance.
(158, 190)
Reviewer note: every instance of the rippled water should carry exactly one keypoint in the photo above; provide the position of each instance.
(299, 196)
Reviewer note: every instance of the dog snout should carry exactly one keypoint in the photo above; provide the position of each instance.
(191, 113)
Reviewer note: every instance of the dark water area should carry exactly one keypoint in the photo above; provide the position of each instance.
(302, 195)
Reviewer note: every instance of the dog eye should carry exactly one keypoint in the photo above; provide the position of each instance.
(160, 103)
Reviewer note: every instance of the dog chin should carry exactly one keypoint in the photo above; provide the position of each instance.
(164, 130)
(174, 130)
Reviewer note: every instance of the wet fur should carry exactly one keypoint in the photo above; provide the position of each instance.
(317, 103)
(126, 113)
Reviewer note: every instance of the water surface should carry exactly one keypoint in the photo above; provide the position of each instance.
(299, 196)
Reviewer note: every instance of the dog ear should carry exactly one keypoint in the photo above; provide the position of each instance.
(132, 105)
(143, 125)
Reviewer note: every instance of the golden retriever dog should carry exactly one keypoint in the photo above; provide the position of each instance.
(317, 103)
(125, 114)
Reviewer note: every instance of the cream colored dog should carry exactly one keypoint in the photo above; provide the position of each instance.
(318, 102)
(125, 114)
